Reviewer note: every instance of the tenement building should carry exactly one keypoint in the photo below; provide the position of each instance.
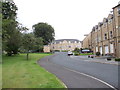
(63, 45)
(105, 36)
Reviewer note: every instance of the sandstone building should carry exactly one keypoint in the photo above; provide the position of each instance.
(63, 45)
(105, 36)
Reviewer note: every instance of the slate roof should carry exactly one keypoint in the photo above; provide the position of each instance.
(71, 40)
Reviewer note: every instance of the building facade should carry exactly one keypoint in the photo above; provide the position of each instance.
(63, 45)
(105, 37)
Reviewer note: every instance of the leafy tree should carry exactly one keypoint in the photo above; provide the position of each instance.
(31, 43)
(11, 34)
(38, 44)
(44, 31)
(28, 43)
(9, 10)
(77, 50)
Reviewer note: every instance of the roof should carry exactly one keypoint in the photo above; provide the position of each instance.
(116, 6)
(71, 40)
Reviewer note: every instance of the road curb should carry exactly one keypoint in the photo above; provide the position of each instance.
(50, 72)
(101, 62)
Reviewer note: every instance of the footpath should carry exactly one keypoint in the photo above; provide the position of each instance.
(102, 59)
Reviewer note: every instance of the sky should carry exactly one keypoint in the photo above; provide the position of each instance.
(71, 19)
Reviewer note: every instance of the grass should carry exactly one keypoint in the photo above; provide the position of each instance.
(20, 73)
(86, 53)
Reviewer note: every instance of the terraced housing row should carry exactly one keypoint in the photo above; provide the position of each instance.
(105, 36)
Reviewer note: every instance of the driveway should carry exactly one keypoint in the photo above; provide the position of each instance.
(76, 73)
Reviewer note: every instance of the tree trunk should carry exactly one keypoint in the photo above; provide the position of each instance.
(27, 55)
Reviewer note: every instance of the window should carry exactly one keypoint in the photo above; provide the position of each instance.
(109, 21)
(111, 34)
(118, 10)
(69, 42)
(53, 47)
(105, 24)
(105, 35)
(96, 49)
(75, 41)
(99, 39)
(99, 28)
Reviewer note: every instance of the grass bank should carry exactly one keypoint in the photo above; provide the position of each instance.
(20, 73)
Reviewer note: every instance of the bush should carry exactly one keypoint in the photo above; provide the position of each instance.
(76, 54)
(65, 50)
(56, 50)
(77, 50)
(97, 53)
(117, 59)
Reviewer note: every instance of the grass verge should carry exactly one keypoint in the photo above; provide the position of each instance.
(20, 73)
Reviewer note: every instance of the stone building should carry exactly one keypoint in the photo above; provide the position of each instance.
(63, 45)
(105, 37)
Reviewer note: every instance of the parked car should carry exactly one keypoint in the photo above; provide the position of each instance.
(70, 53)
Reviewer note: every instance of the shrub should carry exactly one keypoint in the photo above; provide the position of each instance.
(56, 50)
(76, 54)
(117, 59)
(97, 53)
(77, 50)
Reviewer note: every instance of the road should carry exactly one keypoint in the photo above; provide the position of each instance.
(76, 73)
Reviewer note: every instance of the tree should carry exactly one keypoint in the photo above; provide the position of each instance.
(77, 50)
(44, 31)
(9, 10)
(28, 43)
(11, 35)
(31, 43)
(38, 44)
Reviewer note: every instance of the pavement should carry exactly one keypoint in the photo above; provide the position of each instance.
(77, 73)
(102, 59)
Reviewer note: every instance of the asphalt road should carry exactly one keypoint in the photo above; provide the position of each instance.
(77, 73)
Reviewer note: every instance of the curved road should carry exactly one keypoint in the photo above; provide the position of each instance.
(76, 73)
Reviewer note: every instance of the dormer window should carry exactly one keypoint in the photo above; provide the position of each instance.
(69, 42)
(99, 28)
(109, 21)
(75, 41)
(105, 24)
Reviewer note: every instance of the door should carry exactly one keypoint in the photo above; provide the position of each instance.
(106, 49)
(101, 50)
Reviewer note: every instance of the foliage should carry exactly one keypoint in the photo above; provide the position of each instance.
(117, 59)
(18, 73)
(65, 50)
(9, 10)
(10, 33)
(31, 43)
(44, 31)
(77, 50)
(97, 53)
(86, 53)
(76, 54)
(28, 43)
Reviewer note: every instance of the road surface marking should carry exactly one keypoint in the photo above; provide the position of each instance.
(87, 76)
(92, 78)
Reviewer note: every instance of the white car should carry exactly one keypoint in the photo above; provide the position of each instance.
(70, 53)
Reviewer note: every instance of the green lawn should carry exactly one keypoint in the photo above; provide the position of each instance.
(86, 53)
(20, 73)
